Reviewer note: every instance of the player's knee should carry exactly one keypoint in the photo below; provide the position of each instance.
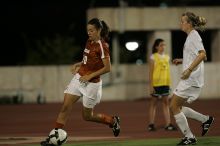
(175, 109)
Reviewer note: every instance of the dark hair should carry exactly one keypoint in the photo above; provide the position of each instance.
(198, 22)
(101, 25)
(156, 43)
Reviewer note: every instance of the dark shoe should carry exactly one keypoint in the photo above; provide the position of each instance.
(46, 143)
(188, 141)
(170, 127)
(206, 125)
(116, 126)
(151, 127)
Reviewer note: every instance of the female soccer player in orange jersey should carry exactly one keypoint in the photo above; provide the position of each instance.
(86, 82)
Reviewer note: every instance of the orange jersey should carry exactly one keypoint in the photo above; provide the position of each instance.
(92, 58)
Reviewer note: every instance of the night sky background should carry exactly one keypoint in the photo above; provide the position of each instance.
(25, 23)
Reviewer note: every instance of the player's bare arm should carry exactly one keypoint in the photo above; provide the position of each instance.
(151, 69)
(105, 69)
(201, 56)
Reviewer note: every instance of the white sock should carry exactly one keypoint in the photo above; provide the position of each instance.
(190, 113)
(182, 123)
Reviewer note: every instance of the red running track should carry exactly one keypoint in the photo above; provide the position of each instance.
(30, 120)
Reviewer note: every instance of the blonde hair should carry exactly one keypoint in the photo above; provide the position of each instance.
(198, 22)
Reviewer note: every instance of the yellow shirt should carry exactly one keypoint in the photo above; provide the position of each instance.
(161, 72)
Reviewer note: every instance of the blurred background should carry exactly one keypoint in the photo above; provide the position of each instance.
(40, 39)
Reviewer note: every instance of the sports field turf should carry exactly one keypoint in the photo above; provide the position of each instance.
(202, 141)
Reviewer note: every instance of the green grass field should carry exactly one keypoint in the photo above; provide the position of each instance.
(202, 141)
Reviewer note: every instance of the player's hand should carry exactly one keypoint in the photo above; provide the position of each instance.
(177, 61)
(186, 74)
(74, 69)
(85, 79)
(152, 91)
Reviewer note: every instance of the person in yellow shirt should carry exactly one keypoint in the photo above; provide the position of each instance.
(159, 77)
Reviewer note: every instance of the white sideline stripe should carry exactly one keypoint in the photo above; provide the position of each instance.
(25, 140)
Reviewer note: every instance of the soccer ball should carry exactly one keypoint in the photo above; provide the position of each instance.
(57, 136)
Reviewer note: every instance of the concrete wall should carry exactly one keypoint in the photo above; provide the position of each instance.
(148, 18)
(131, 84)
(32, 81)
(161, 21)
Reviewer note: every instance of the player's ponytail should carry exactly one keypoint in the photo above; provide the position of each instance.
(198, 22)
(201, 23)
(105, 31)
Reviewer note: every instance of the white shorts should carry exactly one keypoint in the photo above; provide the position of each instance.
(191, 93)
(91, 92)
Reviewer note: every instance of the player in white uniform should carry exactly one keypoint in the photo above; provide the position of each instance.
(192, 79)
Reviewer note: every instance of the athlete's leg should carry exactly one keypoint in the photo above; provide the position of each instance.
(176, 105)
(190, 113)
(152, 113)
(166, 109)
(66, 108)
(89, 115)
(166, 112)
(92, 96)
(68, 102)
(152, 110)
(112, 121)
